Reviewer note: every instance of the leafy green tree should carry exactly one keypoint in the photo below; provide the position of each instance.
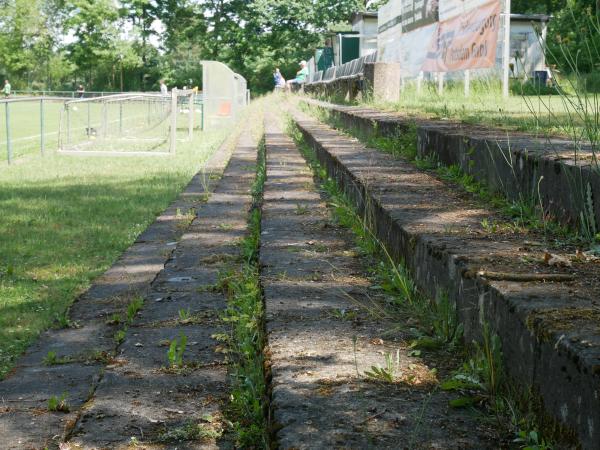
(93, 25)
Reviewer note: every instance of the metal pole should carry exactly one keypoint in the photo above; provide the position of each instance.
(440, 83)
(120, 117)
(191, 117)
(202, 113)
(104, 119)
(173, 139)
(419, 82)
(42, 143)
(68, 125)
(88, 131)
(467, 82)
(8, 141)
(506, 49)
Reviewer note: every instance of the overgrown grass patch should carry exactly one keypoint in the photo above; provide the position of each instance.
(246, 340)
(66, 219)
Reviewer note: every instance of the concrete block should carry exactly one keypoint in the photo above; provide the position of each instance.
(383, 81)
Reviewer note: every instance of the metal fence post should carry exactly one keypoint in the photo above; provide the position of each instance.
(173, 140)
(202, 115)
(8, 141)
(104, 119)
(68, 124)
(120, 117)
(88, 131)
(191, 117)
(42, 137)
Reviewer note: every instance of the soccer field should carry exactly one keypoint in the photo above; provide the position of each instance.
(65, 220)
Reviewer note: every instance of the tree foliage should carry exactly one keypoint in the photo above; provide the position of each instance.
(131, 44)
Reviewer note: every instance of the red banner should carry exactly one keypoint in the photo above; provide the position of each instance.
(465, 42)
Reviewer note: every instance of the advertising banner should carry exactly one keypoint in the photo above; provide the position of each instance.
(438, 35)
(405, 29)
(453, 8)
(467, 41)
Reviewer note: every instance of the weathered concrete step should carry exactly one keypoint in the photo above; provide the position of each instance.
(514, 164)
(139, 395)
(550, 332)
(85, 348)
(311, 278)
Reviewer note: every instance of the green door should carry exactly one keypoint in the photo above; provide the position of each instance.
(350, 48)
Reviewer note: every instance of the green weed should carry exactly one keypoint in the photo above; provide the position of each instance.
(246, 338)
(385, 374)
(52, 359)
(184, 315)
(176, 351)
(119, 336)
(59, 403)
(133, 308)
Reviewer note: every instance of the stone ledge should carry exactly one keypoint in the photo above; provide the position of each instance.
(559, 358)
(511, 164)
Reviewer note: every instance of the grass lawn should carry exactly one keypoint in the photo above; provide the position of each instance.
(538, 114)
(65, 219)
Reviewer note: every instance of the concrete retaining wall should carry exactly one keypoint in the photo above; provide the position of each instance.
(562, 364)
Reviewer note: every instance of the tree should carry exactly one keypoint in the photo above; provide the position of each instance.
(93, 24)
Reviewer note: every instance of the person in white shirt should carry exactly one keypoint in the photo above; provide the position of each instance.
(163, 88)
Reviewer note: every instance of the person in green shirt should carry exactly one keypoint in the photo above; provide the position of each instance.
(6, 89)
(301, 75)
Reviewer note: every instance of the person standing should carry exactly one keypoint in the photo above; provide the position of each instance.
(163, 87)
(80, 91)
(278, 80)
(6, 89)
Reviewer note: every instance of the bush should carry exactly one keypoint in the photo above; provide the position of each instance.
(532, 87)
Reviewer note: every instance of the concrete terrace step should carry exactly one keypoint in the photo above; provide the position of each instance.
(550, 332)
(137, 396)
(25, 421)
(510, 162)
(320, 395)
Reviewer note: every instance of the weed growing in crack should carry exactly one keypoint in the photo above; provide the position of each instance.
(176, 351)
(246, 339)
(301, 209)
(52, 359)
(63, 321)
(59, 404)
(115, 319)
(184, 315)
(385, 374)
(133, 308)
(119, 336)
